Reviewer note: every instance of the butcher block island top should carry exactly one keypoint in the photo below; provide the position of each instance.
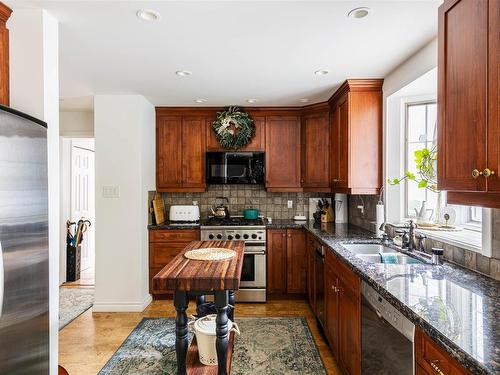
(185, 274)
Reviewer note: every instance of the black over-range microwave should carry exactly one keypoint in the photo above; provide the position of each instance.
(235, 167)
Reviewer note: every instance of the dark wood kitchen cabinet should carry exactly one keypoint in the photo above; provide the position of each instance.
(5, 13)
(311, 290)
(315, 151)
(469, 102)
(343, 314)
(257, 143)
(283, 153)
(276, 260)
(356, 137)
(180, 153)
(164, 245)
(432, 359)
(286, 268)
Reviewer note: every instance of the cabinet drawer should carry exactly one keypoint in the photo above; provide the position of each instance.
(174, 235)
(162, 253)
(432, 358)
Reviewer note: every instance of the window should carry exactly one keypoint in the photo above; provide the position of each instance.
(420, 133)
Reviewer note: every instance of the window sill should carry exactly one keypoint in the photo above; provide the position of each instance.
(466, 239)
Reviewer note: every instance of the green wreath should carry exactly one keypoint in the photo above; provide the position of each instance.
(233, 128)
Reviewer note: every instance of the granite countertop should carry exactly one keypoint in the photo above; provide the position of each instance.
(457, 308)
(169, 225)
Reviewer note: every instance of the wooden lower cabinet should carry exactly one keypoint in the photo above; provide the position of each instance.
(286, 268)
(343, 314)
(432, 359)
(164, 245)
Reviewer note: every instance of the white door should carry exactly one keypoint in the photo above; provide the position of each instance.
(83, 195)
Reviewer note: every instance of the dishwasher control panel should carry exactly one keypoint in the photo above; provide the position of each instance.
(388, 312)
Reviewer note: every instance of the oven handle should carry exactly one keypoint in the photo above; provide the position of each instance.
(262, 252)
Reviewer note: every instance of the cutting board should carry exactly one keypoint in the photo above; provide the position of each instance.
(159, 208)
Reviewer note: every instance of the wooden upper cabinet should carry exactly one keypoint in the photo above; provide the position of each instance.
(276, 260)
(283, 172)
(468, 102)
(257, 143)
(193, 152)
(180, 153)
(356, 137)
(168, 152)
(315, 151)
(296, 261)
(462, 94)
(5, 13)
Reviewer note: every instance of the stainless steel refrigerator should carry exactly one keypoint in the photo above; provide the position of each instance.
(24, 251)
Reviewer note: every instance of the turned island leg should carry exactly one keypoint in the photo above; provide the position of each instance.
(221, 330)
(181, 330)
(232, 301)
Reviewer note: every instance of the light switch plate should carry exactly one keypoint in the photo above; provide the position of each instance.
(111, 191)
(290, 204)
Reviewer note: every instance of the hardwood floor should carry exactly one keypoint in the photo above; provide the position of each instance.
(86, 279)
(87, 343)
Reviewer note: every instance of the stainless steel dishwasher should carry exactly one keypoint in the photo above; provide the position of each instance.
(387, 336)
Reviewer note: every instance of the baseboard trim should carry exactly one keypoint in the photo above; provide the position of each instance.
(123, 306)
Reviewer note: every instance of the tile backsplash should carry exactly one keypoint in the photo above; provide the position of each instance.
(273, 205)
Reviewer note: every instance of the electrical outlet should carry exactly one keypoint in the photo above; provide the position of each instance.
(290, 204)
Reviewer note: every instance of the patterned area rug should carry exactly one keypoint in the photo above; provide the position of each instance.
(266, 346)
(72, 303)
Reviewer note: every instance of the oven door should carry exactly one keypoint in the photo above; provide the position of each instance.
(253, 274)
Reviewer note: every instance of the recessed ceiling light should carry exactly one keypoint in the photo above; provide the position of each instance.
(183, 73)
(148, 15)
(359, 12)
(252, 100)
(321, 72)
(200, 100)
(304, 100)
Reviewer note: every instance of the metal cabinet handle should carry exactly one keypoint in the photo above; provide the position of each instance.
(335, 180)
(436, 367)
(476, 173)
(488, 172)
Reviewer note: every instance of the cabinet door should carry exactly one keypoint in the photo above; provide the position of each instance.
(296, 267)
(168, 152)
(193, 152)
(462, 90)
(350, 328)
(342, 135)
(494, 97)
(283, 153)
(332, 310)
(315, 166)
(257, 143)
(276, 261)
(311, 273)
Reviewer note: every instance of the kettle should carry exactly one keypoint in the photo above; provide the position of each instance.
(221, 211)
(425, 214)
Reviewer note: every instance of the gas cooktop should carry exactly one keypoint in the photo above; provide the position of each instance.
(239, 221)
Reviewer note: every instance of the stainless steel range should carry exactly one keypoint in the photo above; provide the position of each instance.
(253, 232)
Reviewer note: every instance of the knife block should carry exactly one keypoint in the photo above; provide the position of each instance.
(327, 216)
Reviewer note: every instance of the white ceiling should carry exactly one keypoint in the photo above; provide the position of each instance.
(235, 49)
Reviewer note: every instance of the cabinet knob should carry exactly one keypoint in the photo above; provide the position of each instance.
(436, 367)
(476, 173)
(487, 172)
(283, 235)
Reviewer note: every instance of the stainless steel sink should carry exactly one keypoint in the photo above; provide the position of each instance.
(371, 252)
(368, 248)
(399, 259)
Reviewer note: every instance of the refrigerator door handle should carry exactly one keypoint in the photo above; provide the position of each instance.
(2, 281)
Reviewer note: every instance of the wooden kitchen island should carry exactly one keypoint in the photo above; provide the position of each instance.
(198, 278)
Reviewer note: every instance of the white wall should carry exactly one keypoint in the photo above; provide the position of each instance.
(417, 65)
(125, 149)
(76, 123)
(34, 89)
